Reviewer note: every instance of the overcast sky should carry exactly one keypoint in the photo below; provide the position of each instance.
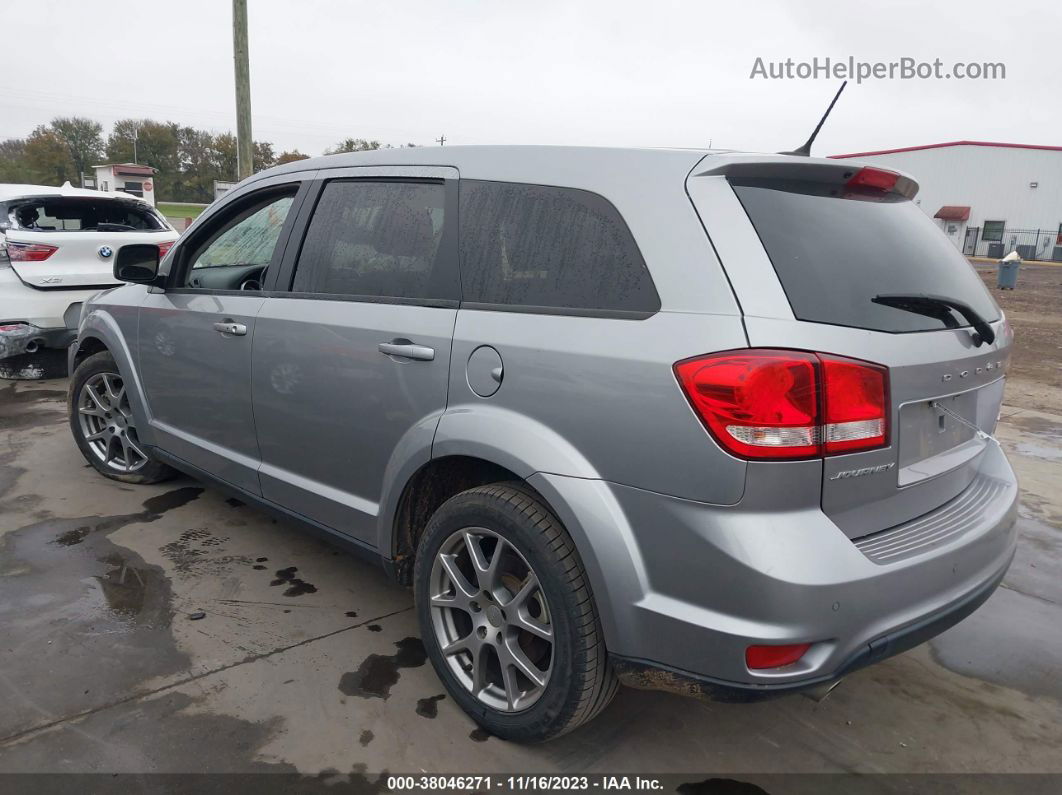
(617, 73)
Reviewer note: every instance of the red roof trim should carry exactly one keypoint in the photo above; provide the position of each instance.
(953, 212)
(949, 143)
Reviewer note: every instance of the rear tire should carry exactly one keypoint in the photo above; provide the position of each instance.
(526, 606)
(103, 424)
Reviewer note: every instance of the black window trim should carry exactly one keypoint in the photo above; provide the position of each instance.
(286, 274)
(590, 312)
(220, 220)
(1002, 229)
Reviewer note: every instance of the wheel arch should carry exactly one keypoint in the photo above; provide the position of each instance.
(425, 491)
(100, 332)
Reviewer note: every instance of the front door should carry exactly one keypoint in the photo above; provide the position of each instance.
(956, 232)
(350, 369)
(195, 336)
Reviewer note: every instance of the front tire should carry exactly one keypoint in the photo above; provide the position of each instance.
(103, 425)
(507, 616)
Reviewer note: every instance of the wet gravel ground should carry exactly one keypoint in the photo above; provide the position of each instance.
(169, 629)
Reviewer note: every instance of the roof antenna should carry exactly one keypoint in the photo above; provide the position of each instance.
(805, 150)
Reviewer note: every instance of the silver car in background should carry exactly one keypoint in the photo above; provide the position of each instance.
(694, 420)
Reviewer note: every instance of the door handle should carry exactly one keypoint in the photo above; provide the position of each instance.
(231, 329)
(405, 349)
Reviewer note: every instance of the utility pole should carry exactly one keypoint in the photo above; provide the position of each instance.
(441, 140)
(244, 152)
(136, 135)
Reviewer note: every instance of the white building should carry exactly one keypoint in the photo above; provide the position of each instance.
(127, 178)
(989, 198)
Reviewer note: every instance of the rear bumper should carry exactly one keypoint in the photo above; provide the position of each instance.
(27, 338)
(684, 588)
(646, 675)
(48, 318)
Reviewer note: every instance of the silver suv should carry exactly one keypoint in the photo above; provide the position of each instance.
(703, 421)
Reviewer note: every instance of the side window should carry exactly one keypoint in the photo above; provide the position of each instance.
(239, 251)
(375, 239)
(538, 246)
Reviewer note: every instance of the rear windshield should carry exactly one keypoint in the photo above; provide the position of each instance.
(76, 215)
(835, 253)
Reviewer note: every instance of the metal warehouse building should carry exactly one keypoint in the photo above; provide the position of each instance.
(989, 198)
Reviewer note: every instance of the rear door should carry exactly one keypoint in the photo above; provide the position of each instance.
(350, 366)
(65, 242)
(808, 251)
(195, 336)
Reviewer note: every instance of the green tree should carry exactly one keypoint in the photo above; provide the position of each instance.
(197, 169)
(290, 157)
(264, 156)
(353, 145)
(225, 156)
(48, 158)
(83, 138)
(13, 165)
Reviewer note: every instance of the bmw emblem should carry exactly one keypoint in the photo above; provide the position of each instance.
(105, 252)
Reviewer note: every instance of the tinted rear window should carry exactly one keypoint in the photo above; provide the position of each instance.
(834, 254)
(560, 248)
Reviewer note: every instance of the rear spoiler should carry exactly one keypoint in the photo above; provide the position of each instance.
(821, 170)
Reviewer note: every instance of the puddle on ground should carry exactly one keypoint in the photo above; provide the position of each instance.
(72, 601)
(1047, 452)
(429, 707)
(71, 537)
(379, 672)
(365, 738)
(296, 587)
(125, 586)
(1037, 426)
(164, 734)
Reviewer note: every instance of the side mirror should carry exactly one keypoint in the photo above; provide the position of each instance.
(137, 263)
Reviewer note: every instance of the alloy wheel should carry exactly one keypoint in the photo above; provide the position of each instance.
(107, 425)
(491, 619)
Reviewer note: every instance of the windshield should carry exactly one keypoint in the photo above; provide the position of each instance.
(834, 253)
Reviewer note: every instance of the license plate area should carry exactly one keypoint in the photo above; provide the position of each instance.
(932, 441)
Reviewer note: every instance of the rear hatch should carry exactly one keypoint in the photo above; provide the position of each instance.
(825, 256)
(70, 242)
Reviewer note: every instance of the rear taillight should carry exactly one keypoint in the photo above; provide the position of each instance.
(164, 248)
(874, 179)
(759, 657)
(777, 404)
(30, 252)
(855, 398)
